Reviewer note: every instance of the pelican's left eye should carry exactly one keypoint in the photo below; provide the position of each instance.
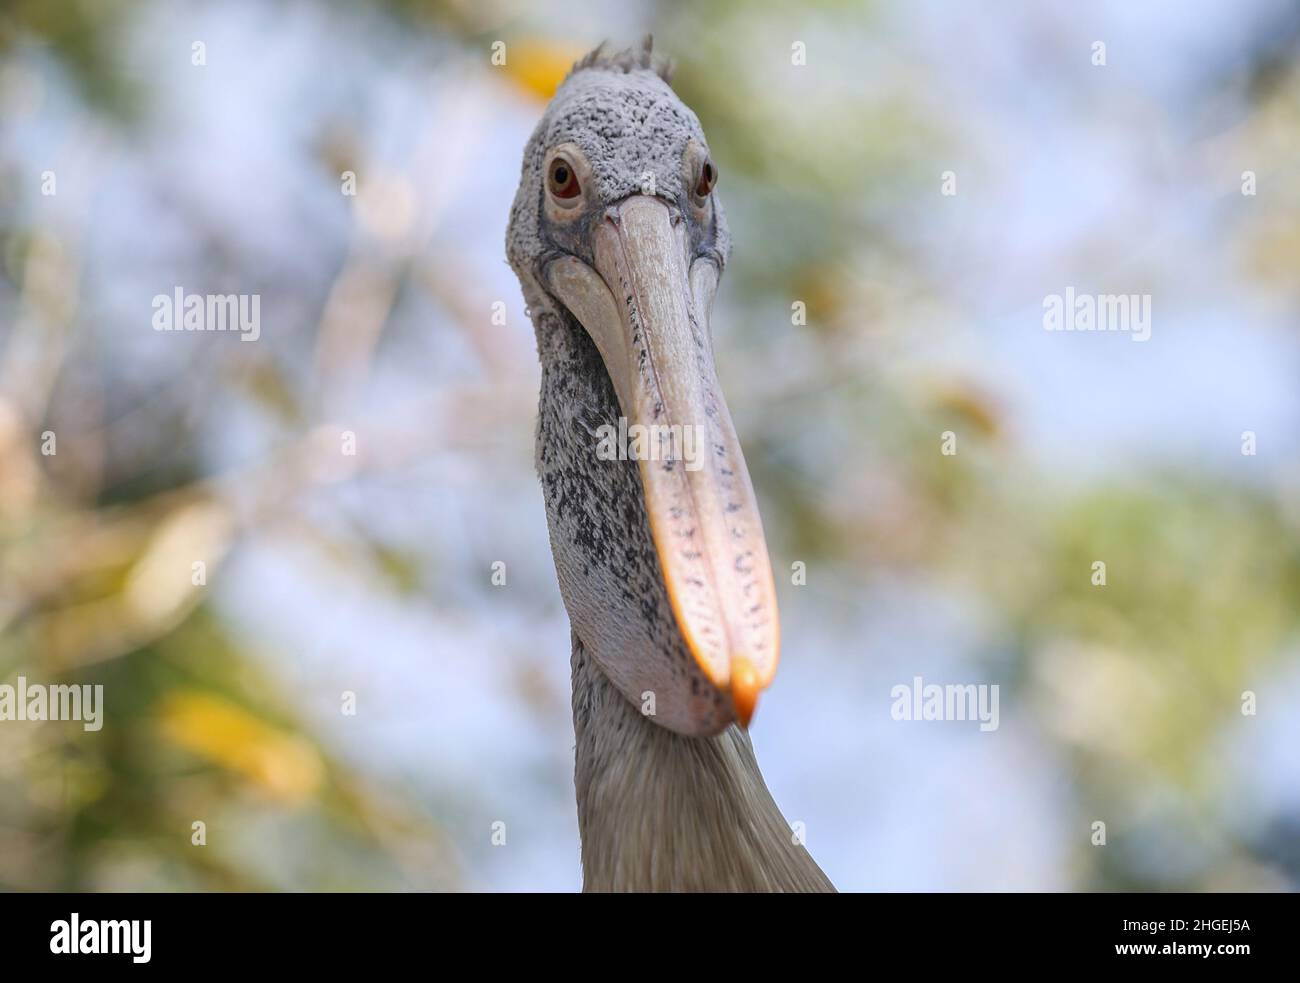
(708, 178)
(562, 179)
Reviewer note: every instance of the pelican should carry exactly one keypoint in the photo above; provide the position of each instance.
(618, 239)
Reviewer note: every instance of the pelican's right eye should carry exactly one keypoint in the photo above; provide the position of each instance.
(562, 180)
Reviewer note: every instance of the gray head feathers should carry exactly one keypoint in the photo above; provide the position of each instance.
(627, 60)
(631, 126)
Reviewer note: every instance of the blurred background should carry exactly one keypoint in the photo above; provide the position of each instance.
(371, 574)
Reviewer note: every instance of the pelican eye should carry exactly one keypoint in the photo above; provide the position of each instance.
(708, 178)
(562, 180)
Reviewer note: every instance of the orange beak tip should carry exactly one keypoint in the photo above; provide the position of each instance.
(744, 689)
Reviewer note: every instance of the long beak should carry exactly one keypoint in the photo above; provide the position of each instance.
(646, 307)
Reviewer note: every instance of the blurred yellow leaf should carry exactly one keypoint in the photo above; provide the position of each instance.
(971, 404)
(283, 764)
(538, 66)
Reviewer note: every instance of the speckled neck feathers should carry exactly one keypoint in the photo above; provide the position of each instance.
(656, 810)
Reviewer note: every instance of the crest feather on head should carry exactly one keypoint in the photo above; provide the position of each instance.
(627, 60)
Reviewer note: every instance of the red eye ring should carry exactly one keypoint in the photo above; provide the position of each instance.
(708, 179)
(563, 180)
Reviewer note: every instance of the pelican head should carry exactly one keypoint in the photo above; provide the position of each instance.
(619, 240)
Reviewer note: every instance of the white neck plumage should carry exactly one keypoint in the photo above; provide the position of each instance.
(661, 812)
